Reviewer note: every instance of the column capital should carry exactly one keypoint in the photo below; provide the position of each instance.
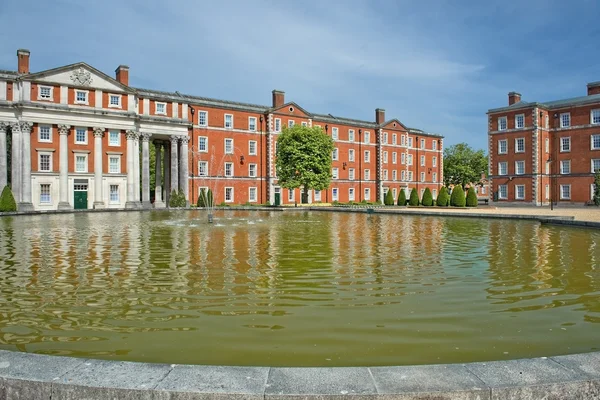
(145, 136)
(64, 129)
(25, 126)
(98, 132)
(173, 139)
(132, 135)
(184, 139)
(4, 126)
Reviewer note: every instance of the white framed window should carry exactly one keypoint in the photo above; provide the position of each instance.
(503, 192)
(565, 144)
(502, 123)
(434, 147)
(114, 164)
(422, 161)
(203, 144)
(519, 167)
(229, 169)
(351, 174)
(252, 197)
(565, 167)
(81, 164)
(394, 157)
(422, 143)
(291, 194)
(81, 136)
(304, 123)
(351, 155)
(114, 138)
(402, 175)
(45, 193)
(410, 159)
(595, 165)
(334, 154)
(422, 176)
(114, 194)
(565, 192)
(434, 177)
(114, 100)
(595, 142)
(291, 123)
(367, 137)
(351, 135)
(45, 93)
(385, 174)
(547, 190)
(228, 121)
(317, 195)
(367, 156)
(565, 120)
(160, 108)
(45, 133)
(367, 194)
(385, 157)
(385, 137)
(252, 147)
(45, 162)
(503, 168)
(334, 133)
(547, 145)
(502, 146)
(228, 146)
(520, 145)
(434, 161)
(203, 118)
(81, 96)
(334, 194)
(334, 173)
(402, 140)
(402, 158)
(410, 142)
(252, 170)
(595, 117)
(351, 194)
(229, 195)
(277, 124)
(394, 138)
(520, 121)
(252, 124)
(394, 192)
(394, 175)
(434, 192)
(520, 192)
(367, 174)
(202, 168)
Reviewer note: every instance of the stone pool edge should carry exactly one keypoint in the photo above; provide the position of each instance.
(33, 376)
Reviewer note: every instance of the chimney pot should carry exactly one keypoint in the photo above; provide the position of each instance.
(278, 98)
(23, 61)
(122, 74)
(513, 97)
(379, 116)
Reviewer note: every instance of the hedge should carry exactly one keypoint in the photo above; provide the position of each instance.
(414, 198)
(402, 198)
(427, 199)
(471, 198)
(457, 199)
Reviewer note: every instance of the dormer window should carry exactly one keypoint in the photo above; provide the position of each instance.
(161, 108)
(45, 93)
(81, 96)
(114, 101)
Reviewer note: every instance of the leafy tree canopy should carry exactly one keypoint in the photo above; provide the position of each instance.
(304, 158)
(463, 165)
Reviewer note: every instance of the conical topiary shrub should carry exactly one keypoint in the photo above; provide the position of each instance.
(7, 200)
(457, 199)
(209, 198)
(427, 199)
(402, 198)
(389, 198)
(471, 198)
(413, 200)
(443, 199)
(201, 198)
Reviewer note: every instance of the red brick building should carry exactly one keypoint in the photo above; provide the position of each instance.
(81, 139)
(543, 152)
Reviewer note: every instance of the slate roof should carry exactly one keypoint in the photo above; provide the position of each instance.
(555, 104)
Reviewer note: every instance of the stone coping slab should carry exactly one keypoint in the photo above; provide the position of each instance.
(33, 376)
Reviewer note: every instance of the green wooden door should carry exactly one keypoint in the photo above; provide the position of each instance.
(80, 200)
(277, 199)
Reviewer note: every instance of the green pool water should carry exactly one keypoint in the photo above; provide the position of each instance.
(296, 288)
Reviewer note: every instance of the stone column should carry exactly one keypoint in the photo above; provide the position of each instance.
(184, 173)
(146, 170)
(26, 204)
(63, 183)
(131, 136)
(3, 157)
(158, 199)
(167, 173)
(98, 197)
(16, 178)
(174, 164)
(136, 169)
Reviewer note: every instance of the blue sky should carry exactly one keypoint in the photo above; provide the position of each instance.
(435, 65)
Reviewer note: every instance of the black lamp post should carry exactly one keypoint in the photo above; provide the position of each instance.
(193, 111)
(260, 174)
(360, 156)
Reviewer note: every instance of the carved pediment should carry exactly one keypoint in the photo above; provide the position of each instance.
(80, 75)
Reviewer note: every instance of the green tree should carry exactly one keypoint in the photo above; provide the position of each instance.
(442, 199)
(177, 199)
(402, 198)
(427, 199)
(471, 197)
(7, 200)
(413, 200)
(304, 158)
(457, 198)
(597, 188)
(389, 198)
(463, 165)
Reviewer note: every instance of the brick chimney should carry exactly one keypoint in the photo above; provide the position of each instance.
(593, 88)
(278, 98)
(122, 74)
(23, 57)
(513, 97)
(379, 116)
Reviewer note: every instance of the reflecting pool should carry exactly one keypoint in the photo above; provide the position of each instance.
(296, 288)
